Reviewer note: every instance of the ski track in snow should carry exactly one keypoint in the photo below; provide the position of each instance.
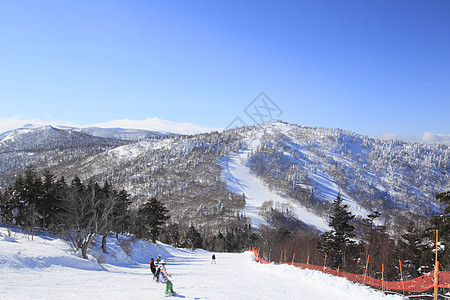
(45, 268)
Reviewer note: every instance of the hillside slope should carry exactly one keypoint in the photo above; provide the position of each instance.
(45, 268)
(46, 147)
(215, 180)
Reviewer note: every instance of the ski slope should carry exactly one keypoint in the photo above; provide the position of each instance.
(46, 268)
(240, 179)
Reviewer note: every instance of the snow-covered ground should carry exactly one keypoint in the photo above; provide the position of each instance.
(46, 268)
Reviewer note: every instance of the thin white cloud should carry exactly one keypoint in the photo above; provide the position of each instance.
(427, 138)
(389, 136)
(154, 124)
(436, 138)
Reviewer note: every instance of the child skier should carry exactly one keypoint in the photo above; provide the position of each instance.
(164, 278)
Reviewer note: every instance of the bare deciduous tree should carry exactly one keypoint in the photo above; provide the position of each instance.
(86, 213)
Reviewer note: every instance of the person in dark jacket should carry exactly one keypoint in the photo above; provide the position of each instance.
(152, 266)
(213, 259)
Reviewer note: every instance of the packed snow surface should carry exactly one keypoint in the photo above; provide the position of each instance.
(45, 268)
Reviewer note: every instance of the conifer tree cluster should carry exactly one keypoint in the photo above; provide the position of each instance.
(78, 210)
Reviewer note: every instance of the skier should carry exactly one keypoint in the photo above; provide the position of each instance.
(164, 278)
(157, 272)
(152, 267)
(213, 259)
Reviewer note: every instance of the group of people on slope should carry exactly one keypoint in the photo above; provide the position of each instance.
(160, 274)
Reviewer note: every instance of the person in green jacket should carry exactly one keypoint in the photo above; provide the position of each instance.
(164, 278)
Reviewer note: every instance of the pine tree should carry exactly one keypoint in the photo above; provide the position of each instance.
(172, 235)
(152, 216)
(48, 206)
(442, 223)
(4, 207)
(336, 241)
(121, 215)
(26, 193)
(410, 250)
(193, 238)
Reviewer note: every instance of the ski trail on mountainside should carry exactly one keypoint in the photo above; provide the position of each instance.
(240, 179)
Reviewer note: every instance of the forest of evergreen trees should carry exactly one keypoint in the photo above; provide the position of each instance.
(78, 211)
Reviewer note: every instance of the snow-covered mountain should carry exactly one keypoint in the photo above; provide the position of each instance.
(110, 133)
(260, 174)
(123, 133)
(46, 146)
(45, 267)
(44, 138)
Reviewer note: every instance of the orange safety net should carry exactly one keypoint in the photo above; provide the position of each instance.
(416, 285)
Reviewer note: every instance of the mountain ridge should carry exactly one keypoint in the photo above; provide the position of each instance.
(125, 134)
(305, 166)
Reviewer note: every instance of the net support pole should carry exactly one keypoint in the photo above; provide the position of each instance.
(401, 276)
(365, 271)
(436, 281)
(436, 269)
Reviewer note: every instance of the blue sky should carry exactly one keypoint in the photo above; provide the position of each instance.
(372, 67)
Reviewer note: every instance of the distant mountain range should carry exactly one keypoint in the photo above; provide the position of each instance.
(110, 133)
(273, 172)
